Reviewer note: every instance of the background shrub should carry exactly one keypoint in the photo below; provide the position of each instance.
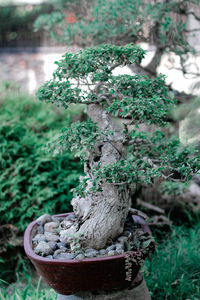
(32, 181)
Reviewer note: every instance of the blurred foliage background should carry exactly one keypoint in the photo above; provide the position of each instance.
(33, 181)
(16, 24)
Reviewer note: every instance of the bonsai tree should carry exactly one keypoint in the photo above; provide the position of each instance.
(118, 153)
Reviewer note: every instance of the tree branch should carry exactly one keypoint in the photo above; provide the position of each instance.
(165, 177)
(139, 70)
(114, 66)
(192, 13)
(191, 30)
(86, 102)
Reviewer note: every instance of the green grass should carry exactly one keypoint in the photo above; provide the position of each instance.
(174, 270)
(27, 291)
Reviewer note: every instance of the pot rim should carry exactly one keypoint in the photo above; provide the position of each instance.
(40, 259)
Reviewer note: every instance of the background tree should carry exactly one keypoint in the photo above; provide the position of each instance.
(118, 156)
(159, 23)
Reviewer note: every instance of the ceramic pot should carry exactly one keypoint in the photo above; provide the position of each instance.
(71, 276)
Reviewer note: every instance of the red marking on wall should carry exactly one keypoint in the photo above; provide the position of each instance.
(70, 18)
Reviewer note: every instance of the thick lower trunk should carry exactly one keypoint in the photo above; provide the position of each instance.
(101, 215)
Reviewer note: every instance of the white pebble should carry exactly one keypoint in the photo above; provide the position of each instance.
(43, 219)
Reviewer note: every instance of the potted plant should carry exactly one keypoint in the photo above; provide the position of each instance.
(122, 146)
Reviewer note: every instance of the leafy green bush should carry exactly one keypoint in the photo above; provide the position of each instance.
(32, 181)
(174, 270)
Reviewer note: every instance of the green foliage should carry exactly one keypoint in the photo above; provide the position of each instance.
(32, 181)
(174, 270)
(93, 65)
(77, 240)
(97, 60)
(173, 188)
(127, 171)
(27, 290)
(182, 160)
(86, 77)
(136, 96)
(78, 138)
(143, 98)
(154, 156)
(161, 23)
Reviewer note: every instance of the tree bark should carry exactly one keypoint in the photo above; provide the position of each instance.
(154, 63)
(101, 215)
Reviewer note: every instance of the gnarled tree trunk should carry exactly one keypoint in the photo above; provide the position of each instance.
(101, 215)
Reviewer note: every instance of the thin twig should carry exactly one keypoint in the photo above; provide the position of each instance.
(150, 206)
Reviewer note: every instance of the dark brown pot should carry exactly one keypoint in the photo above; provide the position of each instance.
(71, 276)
